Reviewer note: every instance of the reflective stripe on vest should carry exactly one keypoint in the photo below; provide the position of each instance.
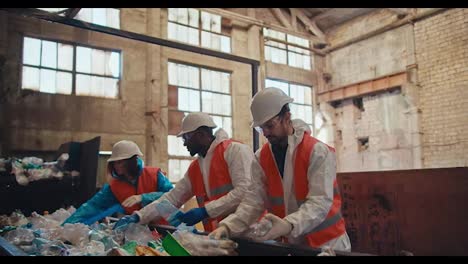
(219, 181)
(221, 189)
(147, 183)
(333, 226)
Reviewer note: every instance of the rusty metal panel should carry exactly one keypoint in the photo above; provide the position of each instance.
(421, 211)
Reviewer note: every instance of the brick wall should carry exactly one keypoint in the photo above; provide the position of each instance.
(442, 56)
(384, 121)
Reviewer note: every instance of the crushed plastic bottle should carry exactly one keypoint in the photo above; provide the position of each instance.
(167, 210)
(20, 236)
(259, 228)
(139, 233)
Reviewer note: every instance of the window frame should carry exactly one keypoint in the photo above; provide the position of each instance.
(74, 60)
(200, 90)
(267, 39)
(313, 99)
(200, 30)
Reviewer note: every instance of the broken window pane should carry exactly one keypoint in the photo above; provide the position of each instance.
(49, 54)
(64, 82)
(182, 15)
(30, 78)
(83, 59)
(65, 56)
(99, 16)
(48, 81)
(193, 17)
(113, 18)
(32, 51)
(225, 44)
(83, 83)
(98, 62)
(206, 20)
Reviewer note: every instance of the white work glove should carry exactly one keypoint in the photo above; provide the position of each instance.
(132, 200)
(280, 228)
(219, 233)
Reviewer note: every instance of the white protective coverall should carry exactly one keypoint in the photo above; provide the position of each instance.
(238, 157)
(321, 173)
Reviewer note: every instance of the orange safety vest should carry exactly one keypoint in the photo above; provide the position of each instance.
(147, 183)
(219, 181)
(334, 225)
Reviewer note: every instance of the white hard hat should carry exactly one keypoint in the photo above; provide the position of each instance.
(124, 149)
(195, 120)
(266, 104)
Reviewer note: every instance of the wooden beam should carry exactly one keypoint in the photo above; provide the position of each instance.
(293, 18)
(310, 25)
(363, 88)
(254, 21)
(280, 16)
(399, 11)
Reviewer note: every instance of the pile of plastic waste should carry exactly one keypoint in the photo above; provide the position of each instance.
(45, 235)
(30, 169)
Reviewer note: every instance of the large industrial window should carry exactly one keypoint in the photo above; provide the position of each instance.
(197, 28)
(109, 17)
(287, 49)
(194, 89)
(302, 107)
(66, 68)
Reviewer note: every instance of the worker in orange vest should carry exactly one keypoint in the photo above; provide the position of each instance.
(294, 177)
(218, 178)
(132, 186)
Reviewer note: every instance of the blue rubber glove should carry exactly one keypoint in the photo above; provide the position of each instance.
(194, 216)
(174, 219)
(126, 220)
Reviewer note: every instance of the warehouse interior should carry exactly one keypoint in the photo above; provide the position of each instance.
(386, 87)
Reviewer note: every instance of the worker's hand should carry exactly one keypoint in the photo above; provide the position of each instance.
(280, 228)
(126, 220)
(132, 200)
(193, 216)
(221, 232)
